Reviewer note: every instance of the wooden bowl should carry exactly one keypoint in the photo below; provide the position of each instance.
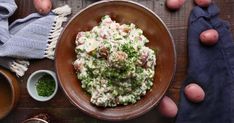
(9, 92)
(123, 12)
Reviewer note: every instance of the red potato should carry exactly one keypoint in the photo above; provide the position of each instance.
(203, 3)
(78, 65)
(194, 93)
(174, 4)
(209, 37)
(103, 51)
(43, 6)
(167, 107)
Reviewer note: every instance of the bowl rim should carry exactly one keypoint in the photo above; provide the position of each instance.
(33, 119)
(164, 91)
(51, 73)
(7, 75)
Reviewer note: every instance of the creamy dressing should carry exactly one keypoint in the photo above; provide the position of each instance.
(113, 63)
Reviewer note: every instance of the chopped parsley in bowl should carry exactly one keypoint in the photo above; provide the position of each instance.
(45, 85)
(42, 85)
(113, 63)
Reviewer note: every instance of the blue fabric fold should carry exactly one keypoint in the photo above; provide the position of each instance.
(211, 67)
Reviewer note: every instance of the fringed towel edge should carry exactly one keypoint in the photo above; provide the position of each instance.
(56, 30)
(19, 67)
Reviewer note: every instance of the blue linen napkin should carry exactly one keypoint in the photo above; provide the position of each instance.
(211, 67)
(33, 37)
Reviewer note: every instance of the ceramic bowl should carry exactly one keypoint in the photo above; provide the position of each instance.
(122, 12)
(9, 92)
(35, 120)
(33, 79)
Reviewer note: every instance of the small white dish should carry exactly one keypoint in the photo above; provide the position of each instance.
(33, 79)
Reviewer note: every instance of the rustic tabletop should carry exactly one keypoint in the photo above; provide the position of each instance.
(62, 111)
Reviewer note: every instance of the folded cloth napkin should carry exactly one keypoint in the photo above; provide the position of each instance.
(33, 37)
(211, 67)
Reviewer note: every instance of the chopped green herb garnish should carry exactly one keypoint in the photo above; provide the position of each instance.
(129, 49)
(118, 67)
(45, 85)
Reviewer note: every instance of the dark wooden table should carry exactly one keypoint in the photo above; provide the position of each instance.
(62, 111)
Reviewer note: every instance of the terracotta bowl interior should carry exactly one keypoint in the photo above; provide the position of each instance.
(10, 92)
(122, 12)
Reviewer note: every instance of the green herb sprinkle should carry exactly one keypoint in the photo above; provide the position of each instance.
(45, 85)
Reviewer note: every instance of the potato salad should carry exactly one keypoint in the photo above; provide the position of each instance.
(113, 63)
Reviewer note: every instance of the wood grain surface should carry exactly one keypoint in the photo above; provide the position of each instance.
(62, 111)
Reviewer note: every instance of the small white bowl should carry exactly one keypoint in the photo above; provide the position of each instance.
(33, 79)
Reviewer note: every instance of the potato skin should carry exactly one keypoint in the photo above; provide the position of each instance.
(43, 6)
(194, 93)
(174, 4)
(209, 37)
(203, 3)
(167, 107)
